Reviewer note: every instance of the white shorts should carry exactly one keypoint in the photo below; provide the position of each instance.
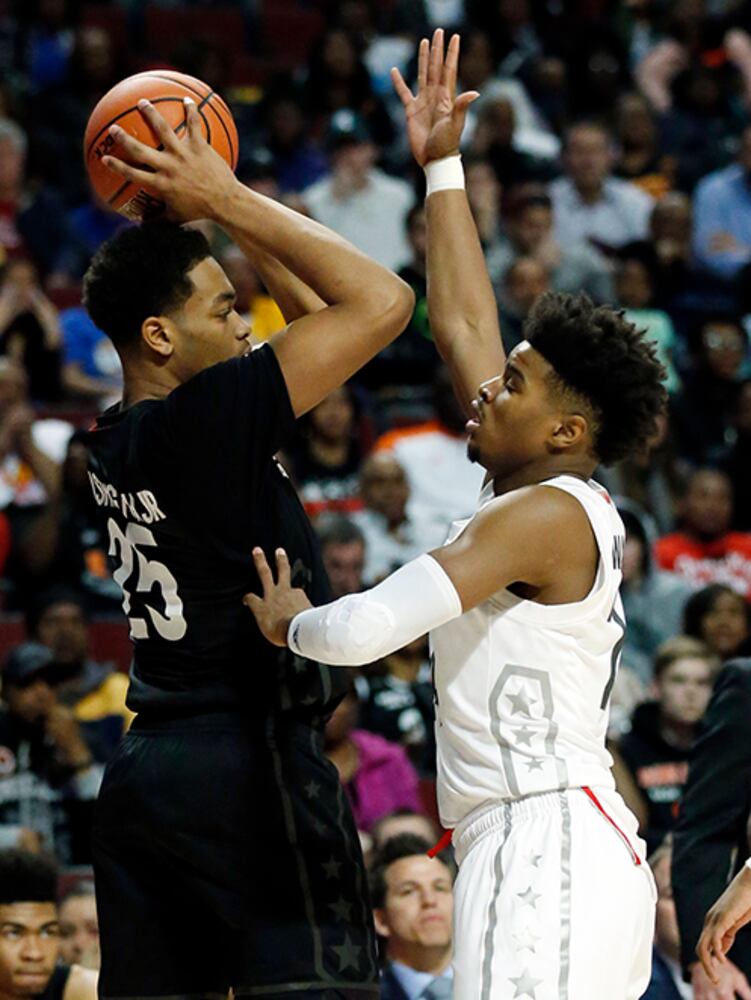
(553, 901)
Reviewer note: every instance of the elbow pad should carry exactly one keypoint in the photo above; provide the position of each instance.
(361, 628)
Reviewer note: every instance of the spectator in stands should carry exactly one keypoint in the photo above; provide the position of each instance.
(722, 207)
(656, 749)
(94, 691)
(667, 979)
(50, 777)
(528, 232)
(68, 544)
(739, 459)
(343, 553)
(652, 598)
(359, 201)
(719, 616)
(393, 535)
(325, 458)
(91, 367)
(33, 221)
(635, 292)
(79, 927)
(413, 898)
(30, 328)
(444, 484)
(298, 161)
(673, 267)
(376, 774)
(588, 202)
(523, 283)
(636, 136)
(399, 704)
(403, 821)
(253, 301)
(30, 943)
(484, 197)
(704, 549)
(493, 139)
(701, 414)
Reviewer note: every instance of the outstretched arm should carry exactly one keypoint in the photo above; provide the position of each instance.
(461, 304)
(366, 305)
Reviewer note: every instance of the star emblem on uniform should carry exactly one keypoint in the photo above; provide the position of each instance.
(524, 735)
(534, 860)
(529, 897)
(312, 789)
(520, 702)
(331, 867)
(534, 764)
(527, 940)
(525, 985)
(319, 827)
(348, 953)
(309, 700)
(341, 909)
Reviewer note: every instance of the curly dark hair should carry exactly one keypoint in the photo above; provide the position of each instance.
(598, 355)
(27, 877)
(141, 272)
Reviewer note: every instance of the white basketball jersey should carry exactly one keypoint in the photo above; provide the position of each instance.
(522, 688)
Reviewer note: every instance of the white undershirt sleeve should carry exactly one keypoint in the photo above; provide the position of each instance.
(361, 628)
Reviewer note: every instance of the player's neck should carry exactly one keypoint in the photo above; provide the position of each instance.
(147, 386)
(538, 472)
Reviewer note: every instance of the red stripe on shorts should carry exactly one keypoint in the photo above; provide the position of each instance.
(598, 805)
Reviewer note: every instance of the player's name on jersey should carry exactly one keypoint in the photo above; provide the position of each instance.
(141, 506)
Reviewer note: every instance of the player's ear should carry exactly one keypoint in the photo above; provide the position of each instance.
(568, 431)
(381, 923)
(157, 335)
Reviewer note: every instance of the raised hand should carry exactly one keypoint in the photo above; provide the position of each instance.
(280, 601)
(435, 116)
(731, 912)
(187, 173)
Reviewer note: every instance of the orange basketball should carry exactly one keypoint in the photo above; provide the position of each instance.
(166, 90)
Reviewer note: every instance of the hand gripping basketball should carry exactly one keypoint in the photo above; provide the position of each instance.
(188, 174)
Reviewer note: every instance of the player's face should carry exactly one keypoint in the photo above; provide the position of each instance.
(514, 414)
(208, 329)
(684, 689)
(29, 946)
(419, 903)
(79, 932)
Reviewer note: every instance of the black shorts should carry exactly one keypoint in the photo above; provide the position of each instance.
(225, 855)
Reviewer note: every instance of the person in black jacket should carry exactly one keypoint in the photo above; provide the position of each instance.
(711, 837)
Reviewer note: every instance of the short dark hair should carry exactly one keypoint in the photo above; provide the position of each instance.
(604, 359)
(79, 890)
(405, 845)
(27, 877)
(338, 529)
(702, 602)
(141, 272)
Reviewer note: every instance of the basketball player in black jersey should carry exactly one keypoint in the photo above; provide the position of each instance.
(225, 854)
(30, 934)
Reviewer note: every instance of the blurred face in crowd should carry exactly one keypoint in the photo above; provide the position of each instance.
(339, 55)
(12, 162)
(79, 932)
(286, 124)
(14, 384)
(725, 625)
(634, 123)
(667, 937)
(416, 915)
(62, 628)
(417, 234)
(354, 160)
(394, 826)
(525, 282)
(633, 558)
(707, 506)
(671, 218)
(531, 227)
(344, 562)
(29, 946)
(588, 157)
(30, 702)
(633, 284)
(683, 690)
(384, 487)
(332, 418)
(724, 347)
(476, 63)
(497, 121)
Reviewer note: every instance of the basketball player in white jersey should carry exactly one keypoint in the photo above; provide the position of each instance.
(554, 900)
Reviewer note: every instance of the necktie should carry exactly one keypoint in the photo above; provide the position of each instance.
(440, 988)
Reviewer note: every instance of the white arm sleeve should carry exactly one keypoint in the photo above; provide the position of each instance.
(361, 628)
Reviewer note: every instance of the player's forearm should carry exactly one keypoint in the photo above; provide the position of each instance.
(329, 265)
(293, 296)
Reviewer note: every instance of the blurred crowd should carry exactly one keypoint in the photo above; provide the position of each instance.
(610, 152)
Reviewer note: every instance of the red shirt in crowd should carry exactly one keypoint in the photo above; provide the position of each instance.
(726, 559)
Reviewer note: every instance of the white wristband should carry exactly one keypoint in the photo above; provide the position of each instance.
(444, 175)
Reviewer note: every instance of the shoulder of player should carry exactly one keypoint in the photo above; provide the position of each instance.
(544, 509)
(81, 984)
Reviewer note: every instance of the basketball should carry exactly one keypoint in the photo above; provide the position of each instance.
(167, 91)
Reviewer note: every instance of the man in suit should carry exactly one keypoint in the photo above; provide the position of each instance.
(711, 838)
(412, 897)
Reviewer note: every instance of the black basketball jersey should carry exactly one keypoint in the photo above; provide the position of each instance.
(188, 485)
